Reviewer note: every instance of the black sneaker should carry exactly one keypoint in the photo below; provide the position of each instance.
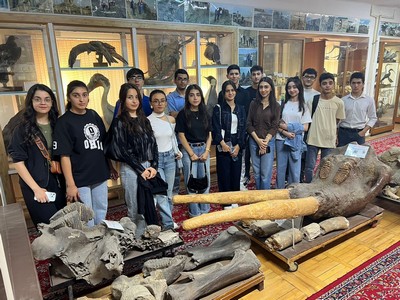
(246, 181)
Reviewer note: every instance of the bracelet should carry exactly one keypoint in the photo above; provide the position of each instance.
(192, 155)
(208, 150)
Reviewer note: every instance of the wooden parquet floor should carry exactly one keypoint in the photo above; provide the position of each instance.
(325, 265)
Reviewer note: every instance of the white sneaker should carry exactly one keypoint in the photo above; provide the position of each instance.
(176, 226)
(235, 205)
(227, 207)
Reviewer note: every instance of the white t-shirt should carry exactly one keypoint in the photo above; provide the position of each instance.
(309, 95)
(291, 114)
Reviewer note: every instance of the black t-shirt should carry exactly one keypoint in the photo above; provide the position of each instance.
(197, 132)
(81, 138)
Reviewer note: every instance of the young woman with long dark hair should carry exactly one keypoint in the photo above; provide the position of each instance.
(194, 131)
(295, 119)
(39, 120)
(262, 125)
(78, 139)
(136, 149)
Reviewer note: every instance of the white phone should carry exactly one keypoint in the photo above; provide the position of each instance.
(51, 196)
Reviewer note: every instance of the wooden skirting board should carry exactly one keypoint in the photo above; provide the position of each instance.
(370, 215)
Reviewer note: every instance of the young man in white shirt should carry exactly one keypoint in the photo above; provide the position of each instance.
(308, 78)
(360, 113)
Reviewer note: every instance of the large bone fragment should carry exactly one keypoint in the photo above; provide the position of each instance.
(311, 231)
(283, 239)
(267, 210)
(265, 228)
(242, 197)
(243, 265)
(224, 246)
(332, 224)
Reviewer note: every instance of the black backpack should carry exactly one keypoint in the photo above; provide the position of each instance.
(313, 109)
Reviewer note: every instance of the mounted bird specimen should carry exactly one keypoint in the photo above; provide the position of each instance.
(99, 80)
(212, 52)
(211, 97)
(103, 50)
(387, 76)
(9, 55)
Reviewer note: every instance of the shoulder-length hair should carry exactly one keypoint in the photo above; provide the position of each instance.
(143, 125)
(202, 106)
(29, 117)
(272, 98)
(71, 87)
(225, 85)
(296, 80)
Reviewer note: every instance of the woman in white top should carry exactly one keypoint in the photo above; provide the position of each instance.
(164, 132)
(295, 119)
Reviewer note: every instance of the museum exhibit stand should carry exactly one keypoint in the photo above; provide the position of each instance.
(387, 91)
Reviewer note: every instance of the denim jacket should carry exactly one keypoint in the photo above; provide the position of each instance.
(226, 122)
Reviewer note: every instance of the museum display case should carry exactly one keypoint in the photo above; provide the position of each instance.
(287, 54)
(24, 61)
(387, 86)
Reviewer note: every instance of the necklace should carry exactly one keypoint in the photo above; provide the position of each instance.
(159, 115)
(195, 114)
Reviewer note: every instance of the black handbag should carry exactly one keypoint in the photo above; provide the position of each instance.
(197, 185)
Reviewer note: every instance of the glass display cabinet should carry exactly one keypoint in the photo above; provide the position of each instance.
(387, 87)
(281, 58)
(100, 59)
(29, 63)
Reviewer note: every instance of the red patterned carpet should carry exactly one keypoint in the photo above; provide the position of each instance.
(377, 278)
(201, 236)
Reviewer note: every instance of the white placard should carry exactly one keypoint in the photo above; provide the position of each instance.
(113, 225)
(356, 150)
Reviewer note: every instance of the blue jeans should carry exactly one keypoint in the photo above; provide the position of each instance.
(95, 196)
(262, 165)
(130, 185)
(196, 209)
(166, 168)
(311, 159)
(348, 135)
(284, 160)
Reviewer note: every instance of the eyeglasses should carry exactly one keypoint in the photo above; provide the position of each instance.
(45, 101)
(158, 101)
(309, 77)
(136, 77)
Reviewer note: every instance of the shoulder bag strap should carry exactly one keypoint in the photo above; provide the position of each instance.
(42, 148)
(173, 137)
(314, 105)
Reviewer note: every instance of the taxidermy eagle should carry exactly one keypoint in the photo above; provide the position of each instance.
(9, 54)
(102, 50)
(212, 52)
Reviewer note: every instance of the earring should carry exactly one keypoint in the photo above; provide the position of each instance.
(151, 106)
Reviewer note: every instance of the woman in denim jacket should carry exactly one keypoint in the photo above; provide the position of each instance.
(228, 131)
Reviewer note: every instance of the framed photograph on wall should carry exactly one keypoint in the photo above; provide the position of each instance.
(263, 18)
(281, 19)
(74, 7)
(197, 12)
(364, 26)
(242, 16)
(247, 57)
(170, 11)
(221, 14)
(298, 21)
(143, 10)
(327, 23)
(313, 22)
(248, 38)
(109, 8)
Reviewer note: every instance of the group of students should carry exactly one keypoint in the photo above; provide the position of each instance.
(149, 135)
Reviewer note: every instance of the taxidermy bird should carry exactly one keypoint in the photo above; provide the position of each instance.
(387, 76)
(102, 50)
(96, 81)
(390, 56)
(9, 54)
(211, 95)
(212, 52)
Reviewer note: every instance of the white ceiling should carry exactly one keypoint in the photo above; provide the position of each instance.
(391, 3)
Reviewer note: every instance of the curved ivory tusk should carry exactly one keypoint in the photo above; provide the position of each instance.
(267, 210)
(240, 197)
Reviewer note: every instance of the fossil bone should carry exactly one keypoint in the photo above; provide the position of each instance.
(283, 239)
(364, 179)
(224, 246)
(311, 231)
(243, 265)
(332, 224)
(265, 228)
(170, 267)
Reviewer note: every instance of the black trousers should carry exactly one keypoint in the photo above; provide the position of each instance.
(42, 212)
(229, 170)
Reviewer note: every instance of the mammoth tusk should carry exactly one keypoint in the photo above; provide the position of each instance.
(267, 210)
(242, 197)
